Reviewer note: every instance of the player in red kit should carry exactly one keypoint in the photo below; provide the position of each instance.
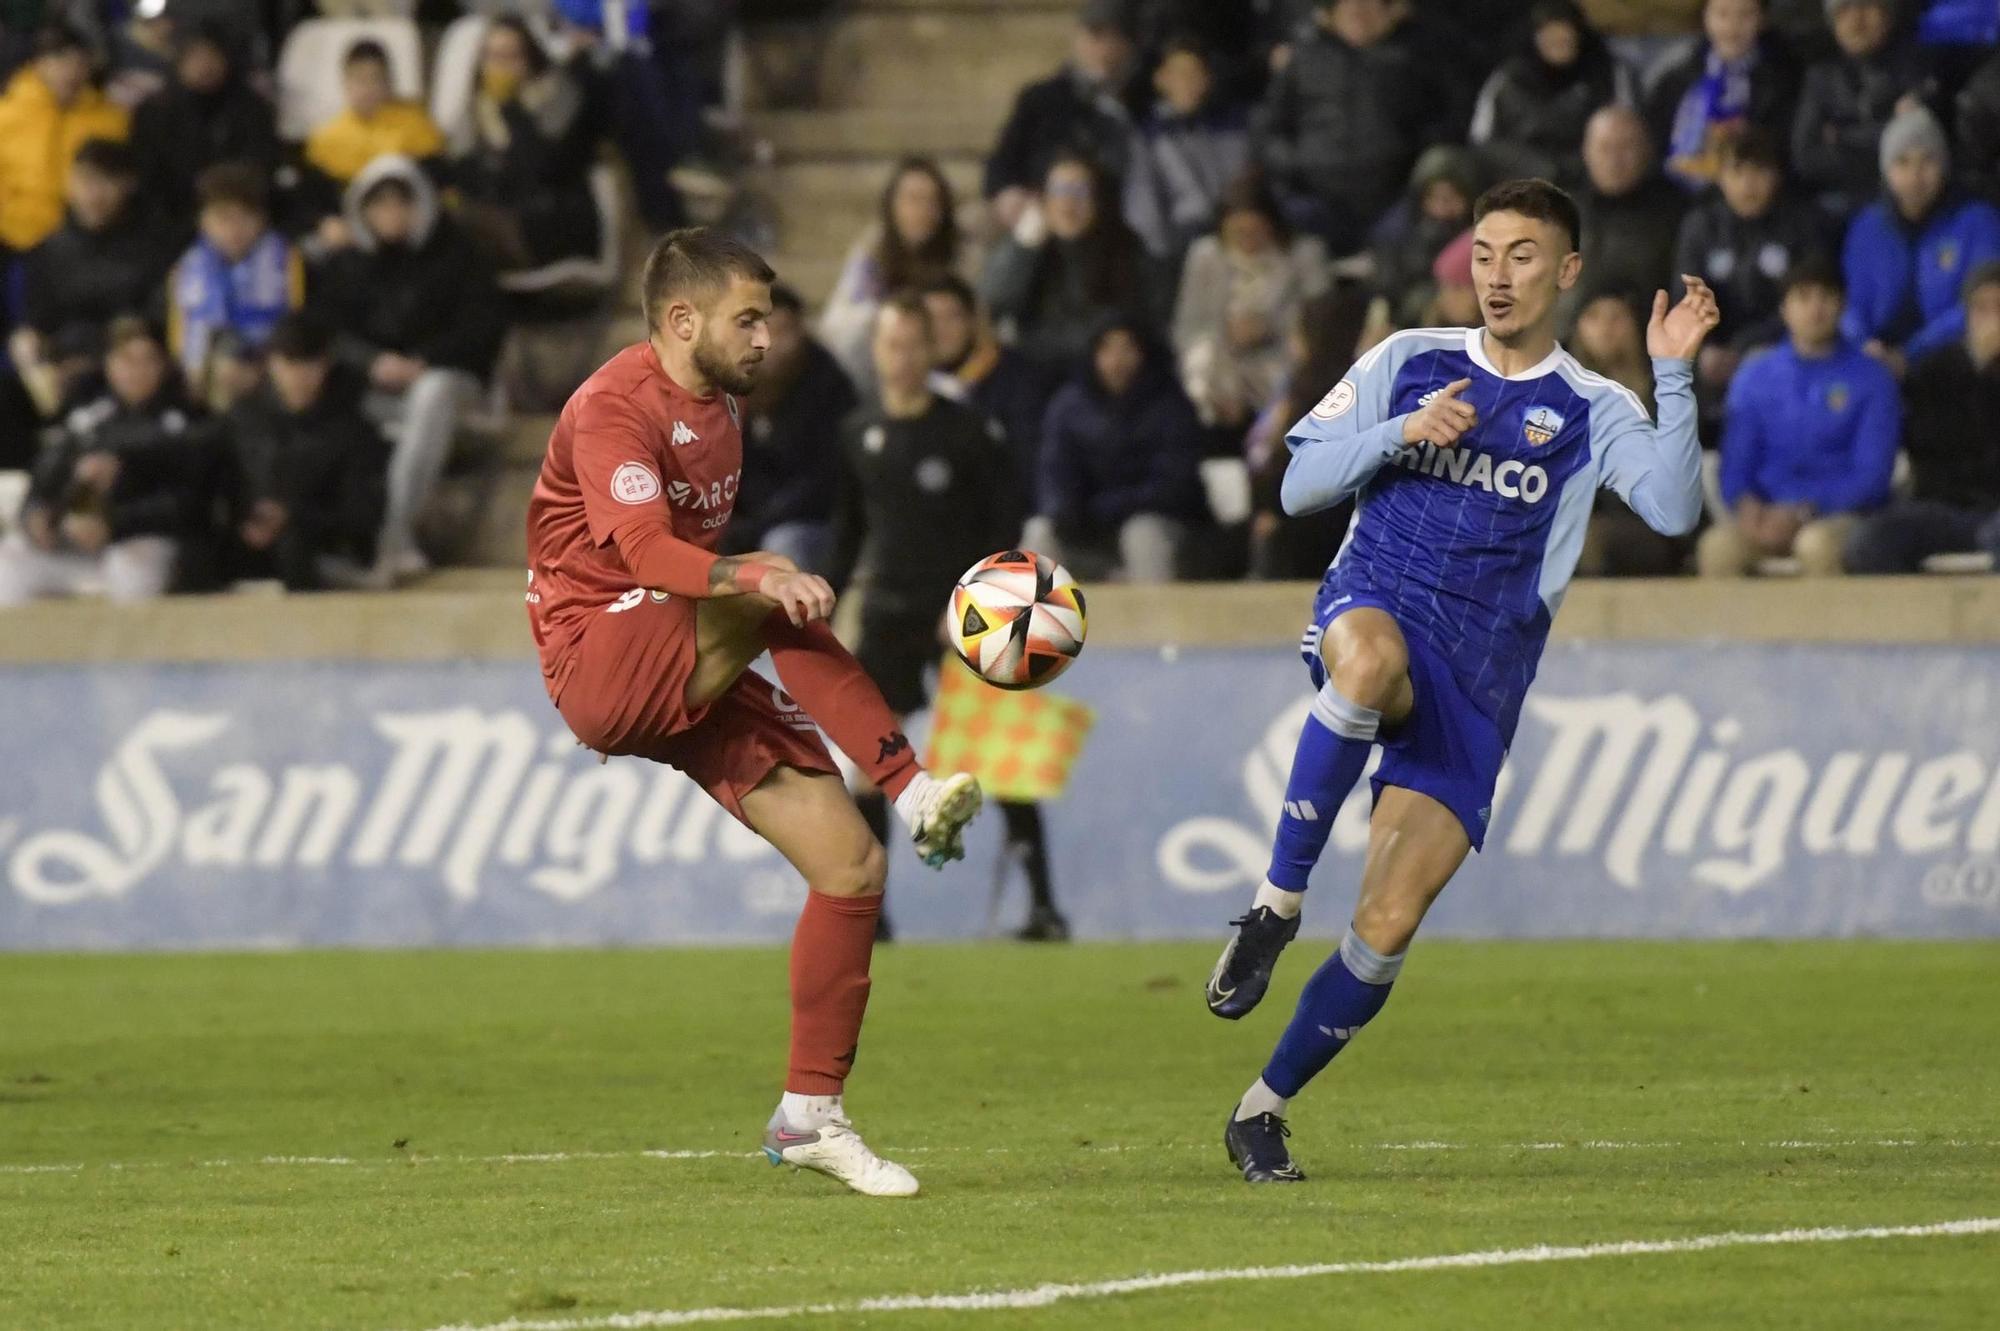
(646, 636)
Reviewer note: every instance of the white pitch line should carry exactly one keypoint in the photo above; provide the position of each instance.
(1041, 1296)
(1104, 1148)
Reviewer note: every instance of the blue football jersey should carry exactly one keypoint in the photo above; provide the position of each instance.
(1471, 547)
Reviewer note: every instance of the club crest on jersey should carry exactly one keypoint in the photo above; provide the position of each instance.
(1837, 397)
(1338, 402)
(1541, 426)
(634, 483)
(683, 435)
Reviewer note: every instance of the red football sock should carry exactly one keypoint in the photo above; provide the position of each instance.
(836, 692)
(830, 952)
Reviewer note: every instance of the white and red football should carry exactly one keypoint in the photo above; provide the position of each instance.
(1017, 619)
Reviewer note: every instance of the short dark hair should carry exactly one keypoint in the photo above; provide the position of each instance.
(1755, 146)
(1816, 270)
(1984, 275)
(956, 287)
(910, 303)
(301, 336)
(786, 299)
(130, 328)
(238, 183)
(366, 51)
(389, 184)
(108, 157)
(695, 260)
(1541, 200)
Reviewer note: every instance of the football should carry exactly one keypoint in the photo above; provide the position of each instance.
(1017, 619)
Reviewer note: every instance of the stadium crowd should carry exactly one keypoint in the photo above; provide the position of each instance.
(237, 352)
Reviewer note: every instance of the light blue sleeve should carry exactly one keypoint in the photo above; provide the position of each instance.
(1342, 442)
(1656, 470)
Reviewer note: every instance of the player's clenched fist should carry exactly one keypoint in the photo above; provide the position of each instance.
(1442, 420)
(804, 597)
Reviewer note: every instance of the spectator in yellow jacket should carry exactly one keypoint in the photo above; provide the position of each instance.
(375, 124)
(50, 108)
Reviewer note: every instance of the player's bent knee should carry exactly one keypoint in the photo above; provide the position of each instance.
(1388, 926)
(1368, 668)
(861, 875)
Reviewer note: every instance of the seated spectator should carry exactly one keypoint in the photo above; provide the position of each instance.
(523, 167)
(641, 64)
(1978, 130)
(1240, 291)
(1435, 211)
(309, 466)
(1121, 464)
(141, 54)
(1086, 109)
(1907, 254)
(1344, 119)
(110, 258)
(49, 111)
(1847, 101)
(1531, 114)
(1742, 240)
(1321, 349)
(790, 465)
(376, 122)
(239, 278)
(207, 113)
(1069, 262)
(1610, 339)
(122, 492)
(416, 308)
(1952, 438)
(1811, 440)
(914, 240)
(1192, 147)
(1000, 382)
(1736, 76)
(1631, 213)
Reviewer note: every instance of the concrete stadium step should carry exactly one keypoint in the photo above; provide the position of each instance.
(885, 133)
(982, 54)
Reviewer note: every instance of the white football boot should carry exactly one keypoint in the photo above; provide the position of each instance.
(937, 810)
(836, 1150)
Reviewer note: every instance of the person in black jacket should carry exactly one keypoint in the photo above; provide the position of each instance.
(1531, 113)
(1952, 437)
(110, 258)
(927, 489)
(1847, 101)
(124, 492)
(1088, 107)
(208, 113)
(310, 468)
(785, 501)
(997, 381)
(415, 307)
(1631, 213)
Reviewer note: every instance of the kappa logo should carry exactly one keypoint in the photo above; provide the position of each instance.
(1541, 426)
(893, 743)
(634, 483)
(683, 435)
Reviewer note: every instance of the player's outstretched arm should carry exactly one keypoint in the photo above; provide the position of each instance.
(1656, 470)
(1342, 442)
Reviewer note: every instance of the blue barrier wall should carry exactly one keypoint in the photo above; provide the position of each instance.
(1654, 790)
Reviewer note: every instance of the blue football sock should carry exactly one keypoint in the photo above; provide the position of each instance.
(1339, 999)
(1333, 748)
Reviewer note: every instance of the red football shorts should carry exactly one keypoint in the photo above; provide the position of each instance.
(627, 696)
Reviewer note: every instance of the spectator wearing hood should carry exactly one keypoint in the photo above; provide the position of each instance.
(1239, 293)
(415, 307)
(1121, 463)
(1849, 99)
(50, 109)
(1069, 262)
(1192, 147)
(1533, 108)
(1908, 253)
(524, 158)
(1434, 211)
(310, 468)
(110, 258)
(238, 278)
(123, 492)
(1087, 109)
(1344, 119)
(1737, 75)
(207, 113)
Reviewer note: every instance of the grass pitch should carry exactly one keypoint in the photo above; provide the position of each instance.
(320, 1140)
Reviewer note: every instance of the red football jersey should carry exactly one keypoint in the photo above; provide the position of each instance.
(630, 442)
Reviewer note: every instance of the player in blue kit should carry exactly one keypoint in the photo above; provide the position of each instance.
(1474, 456)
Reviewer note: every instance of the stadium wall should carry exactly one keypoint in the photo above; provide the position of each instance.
(1769, 759)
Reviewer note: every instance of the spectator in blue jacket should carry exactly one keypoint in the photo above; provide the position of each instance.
(1811, 440)
(1120, 469)
(1908, 254)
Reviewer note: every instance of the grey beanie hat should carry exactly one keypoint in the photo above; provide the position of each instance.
(1915, 130)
